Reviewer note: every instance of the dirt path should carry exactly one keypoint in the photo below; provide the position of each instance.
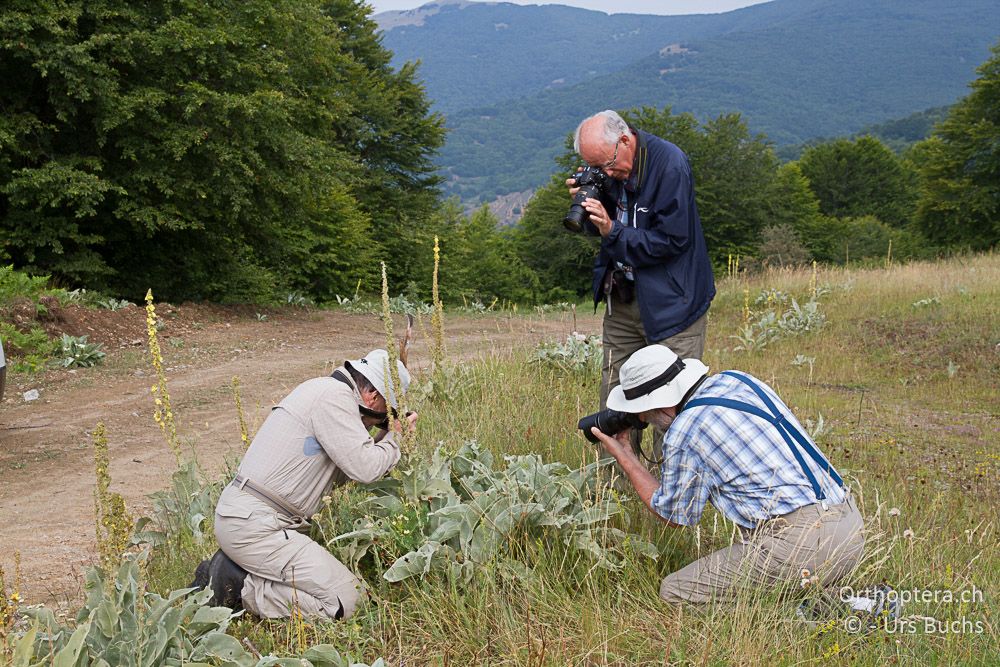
(46, 464)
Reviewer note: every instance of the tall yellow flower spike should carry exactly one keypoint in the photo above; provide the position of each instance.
(405, 441)
(244, 433)
(437, 318)
(162, 414)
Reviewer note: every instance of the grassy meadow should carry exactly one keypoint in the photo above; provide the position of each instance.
(901, 382)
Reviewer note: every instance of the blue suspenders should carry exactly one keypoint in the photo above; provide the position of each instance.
(787, 431)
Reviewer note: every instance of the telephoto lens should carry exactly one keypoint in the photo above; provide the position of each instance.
(609, 422)
(577, 214)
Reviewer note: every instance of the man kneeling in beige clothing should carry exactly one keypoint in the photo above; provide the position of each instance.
(730, 440)
(316, 438)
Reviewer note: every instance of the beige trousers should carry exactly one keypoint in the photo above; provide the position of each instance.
(623, 335)
(828, 543)
(286, 569)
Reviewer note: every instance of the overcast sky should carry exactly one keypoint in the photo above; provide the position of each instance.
(609, 6)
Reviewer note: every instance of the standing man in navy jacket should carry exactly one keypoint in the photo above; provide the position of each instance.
(653, 271)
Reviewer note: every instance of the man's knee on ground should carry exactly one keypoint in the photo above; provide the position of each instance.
(349, 601)
(671, 590)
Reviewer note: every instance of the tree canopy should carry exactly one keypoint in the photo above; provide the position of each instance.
(215, 149)
(960, 166)
(861, 177)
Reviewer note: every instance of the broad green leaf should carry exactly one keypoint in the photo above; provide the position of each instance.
(222, 646)
(209, 618)
(596, 514)
(415, 563)
(68, 656)
(106, 618)
(324, 655)
(24, 648)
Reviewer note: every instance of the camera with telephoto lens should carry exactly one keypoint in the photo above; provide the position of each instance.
(610, 422)
(592, 183)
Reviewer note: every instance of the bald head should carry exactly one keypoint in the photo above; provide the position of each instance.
(605, 141)
(599, 131)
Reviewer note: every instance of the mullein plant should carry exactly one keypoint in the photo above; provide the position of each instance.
(113, 522)
(244, 433)
(437, 318)
(406, 440)
(9, 603)
(162, 413)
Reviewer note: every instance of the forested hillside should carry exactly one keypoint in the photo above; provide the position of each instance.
(475, 54)
(795, 70)
(271, 153)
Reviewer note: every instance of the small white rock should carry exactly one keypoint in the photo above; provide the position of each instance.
(31, 395)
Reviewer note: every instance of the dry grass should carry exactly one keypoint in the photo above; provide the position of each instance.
(905, 375)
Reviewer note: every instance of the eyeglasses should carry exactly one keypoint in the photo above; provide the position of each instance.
(614, 158)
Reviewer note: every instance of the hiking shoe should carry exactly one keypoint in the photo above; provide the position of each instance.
(201, 574)
(226, 580)
(878, 606)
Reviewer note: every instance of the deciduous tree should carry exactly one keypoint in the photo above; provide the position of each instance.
(960, 166)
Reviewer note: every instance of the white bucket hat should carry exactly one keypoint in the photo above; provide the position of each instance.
(654, 377)
(374, 367)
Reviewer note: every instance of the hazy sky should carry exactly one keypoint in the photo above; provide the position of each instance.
(610, 6)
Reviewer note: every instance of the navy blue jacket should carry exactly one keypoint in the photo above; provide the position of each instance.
(663, 241)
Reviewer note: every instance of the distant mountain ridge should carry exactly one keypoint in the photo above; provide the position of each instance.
(479, 53)
(514, 80)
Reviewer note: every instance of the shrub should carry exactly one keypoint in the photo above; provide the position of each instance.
(780, 245)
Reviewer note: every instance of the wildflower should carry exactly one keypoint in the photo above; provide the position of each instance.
(894, 511)
(909, 534)
(162, 413)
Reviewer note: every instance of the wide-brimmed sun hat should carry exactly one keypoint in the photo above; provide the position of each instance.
(375, 366)
(654, 377)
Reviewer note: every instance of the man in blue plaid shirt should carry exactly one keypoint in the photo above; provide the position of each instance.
(731, 441)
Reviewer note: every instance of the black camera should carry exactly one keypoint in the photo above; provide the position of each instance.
(609, 422)
(592, 183)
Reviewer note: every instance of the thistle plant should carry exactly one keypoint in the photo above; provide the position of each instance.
(244, 433)
(113, 523)
(162, 413)
(437, 318)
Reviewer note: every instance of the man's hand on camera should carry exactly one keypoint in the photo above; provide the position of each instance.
(598, 215)
(411, 423)
(618, 446)
(573, 187)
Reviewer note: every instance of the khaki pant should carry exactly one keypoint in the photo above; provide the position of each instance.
(828, 543)
(624, 335)
(286, 569)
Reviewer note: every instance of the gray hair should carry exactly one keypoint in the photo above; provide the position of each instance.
(614, 127)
